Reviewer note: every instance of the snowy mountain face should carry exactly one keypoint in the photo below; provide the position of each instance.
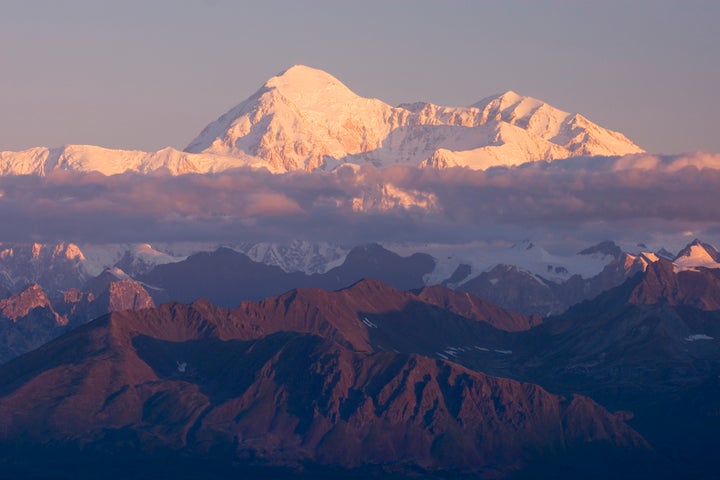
(88, 158)
(477, 258)
(697, 254)
(140, 258)
(522, 276)
(131, 259)
(306, 119)
(60, 267)
(55, 267)
(64, 266)
(527, 278)
(297, 256)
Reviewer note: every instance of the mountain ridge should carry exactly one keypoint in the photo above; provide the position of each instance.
(195, 378)
(301, 364)
(369, 131)
(306, 119)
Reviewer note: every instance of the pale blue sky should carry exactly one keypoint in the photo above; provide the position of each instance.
(152, 73)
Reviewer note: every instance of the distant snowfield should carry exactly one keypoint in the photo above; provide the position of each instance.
(296, 256)
(482, 256)
(558, 266)
(24, 263)
(320, 257)
(100, 257)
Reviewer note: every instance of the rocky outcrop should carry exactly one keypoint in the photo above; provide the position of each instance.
(29, 319)
(20, 305)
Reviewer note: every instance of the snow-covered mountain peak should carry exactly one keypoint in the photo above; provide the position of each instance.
(299, 120)
(572, 131)
(697, 254)
(311, 88)
(519, 110)
(68, 251)
(306, 119)
(511, 96)
(510, 105)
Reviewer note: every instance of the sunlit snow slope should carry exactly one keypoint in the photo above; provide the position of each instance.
(306, 119)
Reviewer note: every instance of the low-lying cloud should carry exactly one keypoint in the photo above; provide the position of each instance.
(588, 198)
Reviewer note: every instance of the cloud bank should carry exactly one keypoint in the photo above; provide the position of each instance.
(586, 198)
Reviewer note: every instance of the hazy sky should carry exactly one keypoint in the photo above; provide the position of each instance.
(152, 73)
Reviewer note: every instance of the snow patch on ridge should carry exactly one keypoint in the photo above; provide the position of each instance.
(698, 336)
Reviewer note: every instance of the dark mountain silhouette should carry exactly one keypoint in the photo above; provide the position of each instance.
(227, 277)
(607, 247)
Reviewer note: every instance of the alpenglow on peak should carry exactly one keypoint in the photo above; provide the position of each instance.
(306, 119)
(310, 86)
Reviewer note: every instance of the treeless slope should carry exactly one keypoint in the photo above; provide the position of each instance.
(168, 381)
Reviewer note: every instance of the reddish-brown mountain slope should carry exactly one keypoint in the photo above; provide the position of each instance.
(29, 319)
(698, 288)
(198, 378)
